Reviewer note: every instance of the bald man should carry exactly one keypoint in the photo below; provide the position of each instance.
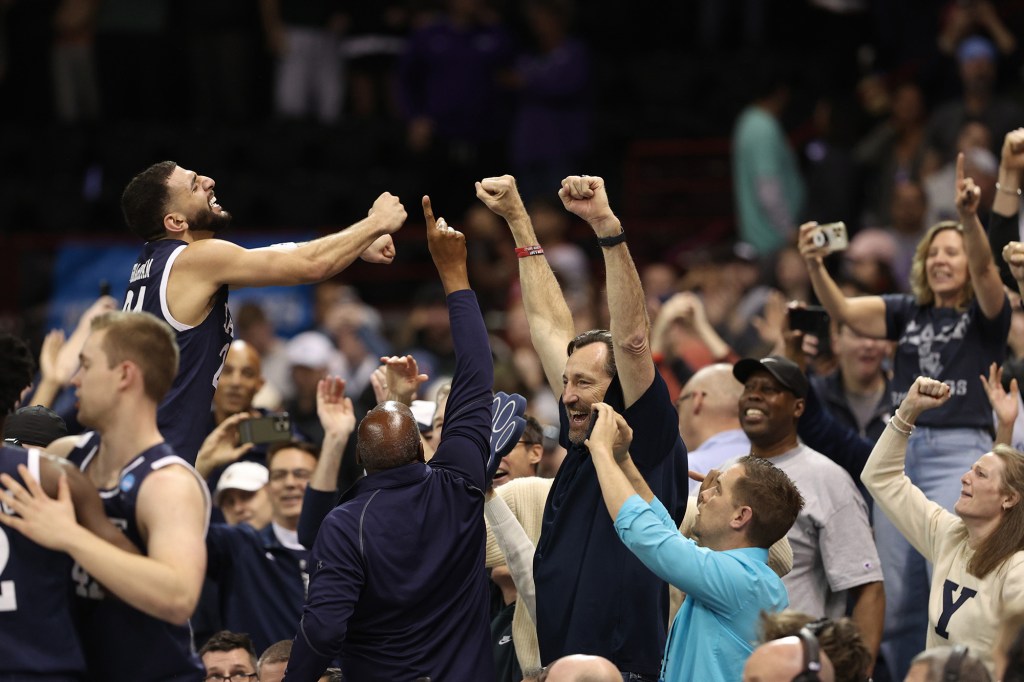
(397, 589)
(781, 660)
(240, 380)
(580, 668)
(709, 419)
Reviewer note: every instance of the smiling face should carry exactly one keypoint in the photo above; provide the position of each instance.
(584, 383)
(769, 411)
(192, 196)
(520, 462)
(239, 381)
(946, 266)
(716, 508)
(290, 469)
(981, 495)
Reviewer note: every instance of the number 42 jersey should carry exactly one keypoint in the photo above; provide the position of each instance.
(37, 633)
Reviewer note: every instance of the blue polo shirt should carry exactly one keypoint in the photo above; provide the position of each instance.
(593, 595)
(397, 587)
(262, 583)
(715, 631)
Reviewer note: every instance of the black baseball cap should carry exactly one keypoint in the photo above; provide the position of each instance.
(34, 425)
(785, 371)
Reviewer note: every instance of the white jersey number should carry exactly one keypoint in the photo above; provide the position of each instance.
(128, 300)
(8, 600)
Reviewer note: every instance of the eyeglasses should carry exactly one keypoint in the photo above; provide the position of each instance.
(686, 396)
(282, 474)
(233, 677)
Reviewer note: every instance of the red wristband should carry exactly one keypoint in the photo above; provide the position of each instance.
(532, 250)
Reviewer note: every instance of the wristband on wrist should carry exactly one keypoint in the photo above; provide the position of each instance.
(892, 423)
(606, 242)
(531, 250)
(1007, 190)
(901, 422)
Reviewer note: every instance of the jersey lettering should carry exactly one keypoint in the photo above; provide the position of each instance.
(8, 599)
(949, 607)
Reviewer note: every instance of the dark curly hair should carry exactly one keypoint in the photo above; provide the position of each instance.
(145, 198)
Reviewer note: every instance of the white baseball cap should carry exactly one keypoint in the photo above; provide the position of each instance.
(248, 476)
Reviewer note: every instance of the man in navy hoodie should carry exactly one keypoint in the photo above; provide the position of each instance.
(397, 589)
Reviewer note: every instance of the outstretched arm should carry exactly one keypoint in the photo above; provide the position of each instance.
(551, 325)
(208, 264)
(585, 196)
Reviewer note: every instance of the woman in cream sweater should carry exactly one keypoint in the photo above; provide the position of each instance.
(977, 552)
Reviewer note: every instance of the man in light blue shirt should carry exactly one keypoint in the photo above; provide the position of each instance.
(742, 511)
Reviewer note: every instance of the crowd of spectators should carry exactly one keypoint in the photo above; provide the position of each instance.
(809, 444)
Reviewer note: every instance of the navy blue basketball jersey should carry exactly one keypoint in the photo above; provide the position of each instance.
(121, 642)
(186, 408)
(37, 632)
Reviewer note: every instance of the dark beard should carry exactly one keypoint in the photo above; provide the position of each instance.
(208, 221)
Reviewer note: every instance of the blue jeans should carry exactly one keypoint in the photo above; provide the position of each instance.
(936, 460)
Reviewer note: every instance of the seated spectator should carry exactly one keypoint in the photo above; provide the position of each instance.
(839, 639)
(976, 57)
(229, 657)
(274, 661)
(709, 419)
(742, 512)
(242, 496)
(312, 357)
(857, 393)
(788, 659)
(944, 664)
(34, 426)
(523, 459)
(579, 668)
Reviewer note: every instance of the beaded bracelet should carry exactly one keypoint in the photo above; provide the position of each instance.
(892, 423)
(1005, 190)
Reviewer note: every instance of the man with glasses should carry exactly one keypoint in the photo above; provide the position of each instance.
(229, 657)
(262, 574)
